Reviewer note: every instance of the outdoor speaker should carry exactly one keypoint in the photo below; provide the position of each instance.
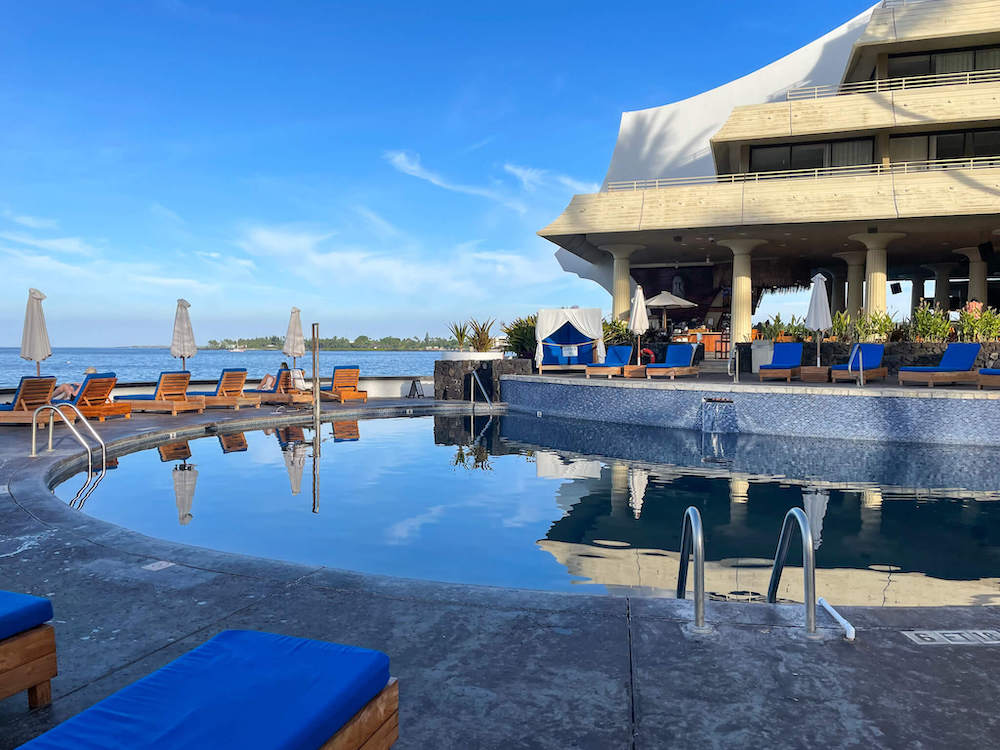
(896, 287)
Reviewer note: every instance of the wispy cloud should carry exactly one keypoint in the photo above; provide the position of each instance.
(73, 245)
(31, 222)
(409, 164)
(532, 178)
(477, 145)
(162, 212)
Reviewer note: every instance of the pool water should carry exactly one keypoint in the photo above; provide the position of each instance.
(565, 505)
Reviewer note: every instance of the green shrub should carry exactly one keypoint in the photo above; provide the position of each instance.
(520, 334)
(873, 326)
(616, 332)
(842, 328)
(930, 323)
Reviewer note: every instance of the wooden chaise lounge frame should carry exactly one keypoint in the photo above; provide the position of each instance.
(672, 372)
(171, 395)
(985, 380)
(285, 392)
(344, 386)
(873, 373)
(32, 393)
(780, 373)
(28, 662)
(94, 399)
(230, 392)
(374, 727)
(930, 379)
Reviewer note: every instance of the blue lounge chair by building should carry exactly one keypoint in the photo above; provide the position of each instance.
(679, 360)
(250, 690)
(955, 367)
(868, 356)
(988, 377)
(27, 647)
(786, 362)
(616, 359)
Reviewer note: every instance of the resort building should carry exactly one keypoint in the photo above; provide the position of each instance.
(872, 155)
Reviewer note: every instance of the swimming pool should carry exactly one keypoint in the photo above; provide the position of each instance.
(570, 505)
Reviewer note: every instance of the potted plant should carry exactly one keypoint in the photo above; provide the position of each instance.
(479, 336)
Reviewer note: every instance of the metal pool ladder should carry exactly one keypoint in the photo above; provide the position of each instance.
(808, 563)
(84, 492)
(693, 537)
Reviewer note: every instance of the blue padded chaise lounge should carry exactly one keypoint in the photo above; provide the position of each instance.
(246, 689)
(616, 358)
(27, 647)
(955, 367)
(679, 360)
(786, 362)
(867, 356)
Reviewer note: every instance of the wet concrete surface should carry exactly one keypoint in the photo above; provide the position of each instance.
(482, 667)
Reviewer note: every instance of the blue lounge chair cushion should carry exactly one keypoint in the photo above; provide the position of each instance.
(240, 689)
(678, 355)
(867, 355)
(217, 385)
(83, 388)
(20, 612)
(567, 335)
(334, 377)
(988, 371)
(786, 355)
(956, 358)
(617, 356)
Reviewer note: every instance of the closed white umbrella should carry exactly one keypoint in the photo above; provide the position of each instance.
(814, 502)
(35, 338)
(818, 318)
(182, 344)
(185, 477)
(295, 344)
(637, 481)
(638, 321)
(295, 461)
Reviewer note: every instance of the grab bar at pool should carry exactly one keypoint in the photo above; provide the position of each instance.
(482, 388)
(808, 563)
(693, 539)
(83, 493)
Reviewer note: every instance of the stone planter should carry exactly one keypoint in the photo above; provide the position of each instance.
(453, 381)
(470, 356)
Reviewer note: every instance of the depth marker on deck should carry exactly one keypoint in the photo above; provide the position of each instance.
(954, 637)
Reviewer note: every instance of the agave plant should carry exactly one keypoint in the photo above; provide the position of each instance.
(520, 334)
(460, 332)
(482, 335)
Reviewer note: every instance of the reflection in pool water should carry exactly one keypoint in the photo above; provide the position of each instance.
(576, 506)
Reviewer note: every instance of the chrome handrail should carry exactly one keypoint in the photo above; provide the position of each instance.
(808, 563)
(482, 388)
(861, 364)
(83, 493)
(693, 538)
(733, 365)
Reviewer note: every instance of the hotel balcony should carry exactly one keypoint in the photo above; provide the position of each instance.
(902, 105)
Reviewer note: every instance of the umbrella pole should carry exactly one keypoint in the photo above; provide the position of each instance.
(38, 368)
(638, 349)
(183, 363)
(818, 335)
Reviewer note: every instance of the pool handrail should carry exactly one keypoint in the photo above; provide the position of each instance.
(693, 537)
(808, 563)
(85, 491)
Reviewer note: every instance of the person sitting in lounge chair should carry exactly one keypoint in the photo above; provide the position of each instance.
(67, 391)
(268, 382)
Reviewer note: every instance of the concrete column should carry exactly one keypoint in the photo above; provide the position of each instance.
(942, 283)
(855, 280)
(876, 245)
(739, 492)
(916, 293)
(619, 490)
(742, 299)
(977, 273)
(621, 284)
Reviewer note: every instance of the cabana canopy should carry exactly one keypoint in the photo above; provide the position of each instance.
(586, 321)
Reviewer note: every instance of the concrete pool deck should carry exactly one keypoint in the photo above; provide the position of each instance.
(482, 667)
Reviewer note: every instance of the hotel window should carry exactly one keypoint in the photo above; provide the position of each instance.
(988, 59)
(944, 146)
(812, 155)
(951, 61)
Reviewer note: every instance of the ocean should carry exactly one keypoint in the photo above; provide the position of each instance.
(144, 365)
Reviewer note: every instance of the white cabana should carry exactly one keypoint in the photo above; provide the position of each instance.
(35, 337)
(818, 317)
(638, 321)
(182, 344)
(586, 320)
(185, 477)
(638, 479)
(295, 344)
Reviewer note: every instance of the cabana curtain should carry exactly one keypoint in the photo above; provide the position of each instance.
(586, 320)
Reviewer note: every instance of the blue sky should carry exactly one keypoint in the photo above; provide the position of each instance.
(383, 166)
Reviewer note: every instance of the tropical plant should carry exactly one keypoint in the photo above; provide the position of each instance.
(842, 327)
(616, 332)
(875, 326)
(978, 323)
(797, 327)
(482, 335)
(771, 329)
(930, 323)
(520, 334)
(460, 332)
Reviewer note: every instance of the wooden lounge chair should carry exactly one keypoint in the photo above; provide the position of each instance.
(678, 361)
(955, 367)
(248, 689)
(27, 648)
(234, 442)
(229, 391)
(988, 378)
(346, 431)
(868, 356)
(617, 357)
(171, 395)
(174, 452)
(283, 391)
(32, 392)
(94, 398)
(786, 362)
(344, 386)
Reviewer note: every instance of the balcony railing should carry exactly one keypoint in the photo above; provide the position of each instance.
(861, 170)
(896, 84)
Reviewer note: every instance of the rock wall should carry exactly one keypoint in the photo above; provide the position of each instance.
(452, 380)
